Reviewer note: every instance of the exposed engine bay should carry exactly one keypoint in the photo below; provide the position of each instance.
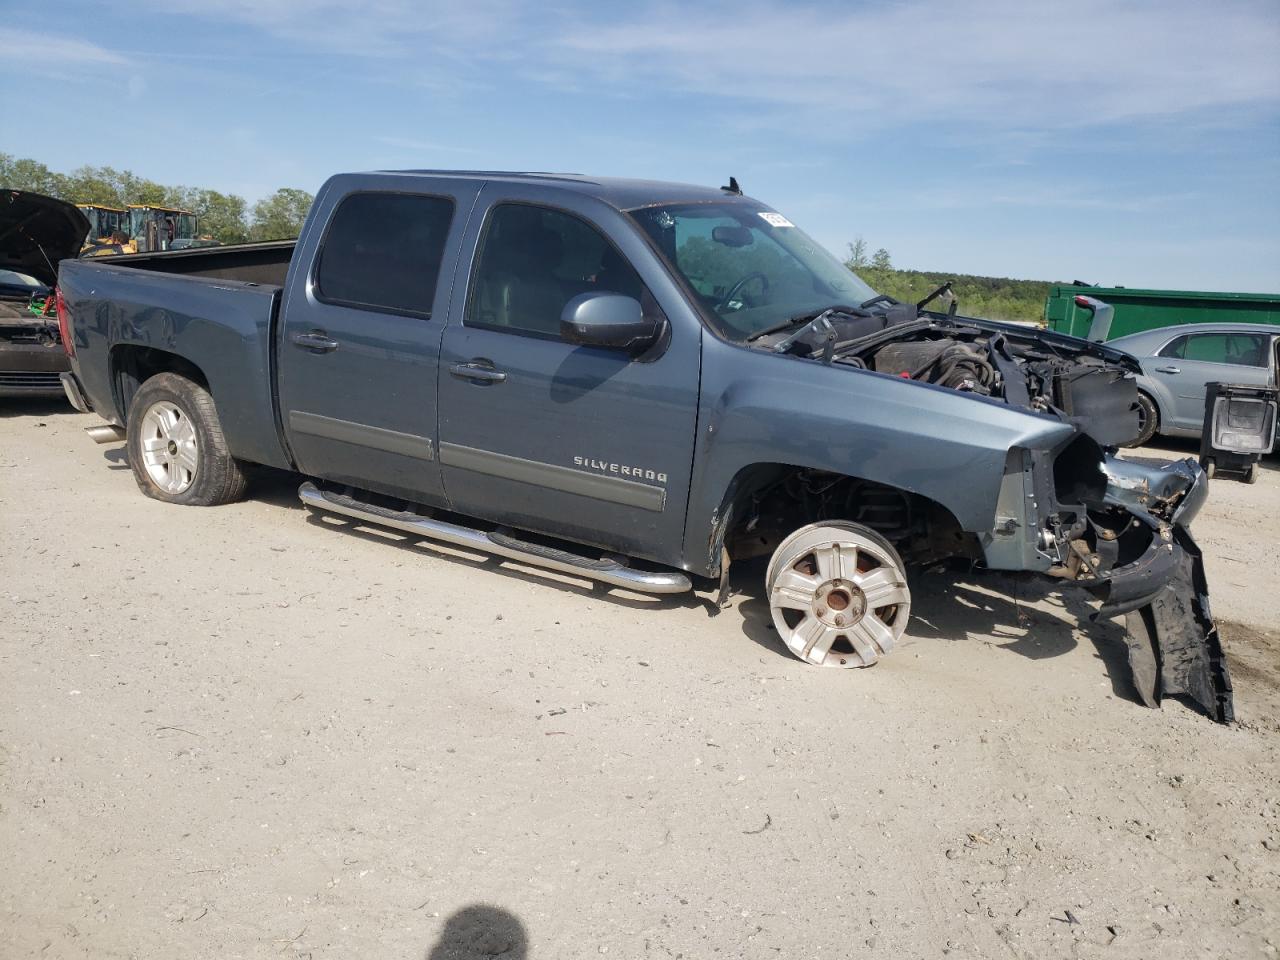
(1078, 513)
(1088, 385)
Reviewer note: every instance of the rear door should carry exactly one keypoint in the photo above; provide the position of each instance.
(1186, 364)
(360, 336)
(585, 443)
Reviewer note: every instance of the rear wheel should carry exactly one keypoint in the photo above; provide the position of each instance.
(838, 594)
(1148, 420)
(176, 447)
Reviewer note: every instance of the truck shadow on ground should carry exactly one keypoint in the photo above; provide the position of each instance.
(38, 408)
(280, 489)
(947, 605)
(963, 606)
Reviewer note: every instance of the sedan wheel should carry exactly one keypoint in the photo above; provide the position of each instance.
(838, 594)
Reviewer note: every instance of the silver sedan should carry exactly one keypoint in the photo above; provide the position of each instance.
(1178, 361)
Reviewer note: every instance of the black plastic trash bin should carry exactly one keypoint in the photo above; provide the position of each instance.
(1239, 428)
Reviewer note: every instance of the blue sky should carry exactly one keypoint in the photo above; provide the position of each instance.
(1133, 143)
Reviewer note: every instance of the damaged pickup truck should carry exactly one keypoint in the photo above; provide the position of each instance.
(640, 383)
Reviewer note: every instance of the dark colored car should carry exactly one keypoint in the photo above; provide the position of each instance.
(36, 232)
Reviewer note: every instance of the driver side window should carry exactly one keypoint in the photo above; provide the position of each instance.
(533, 260)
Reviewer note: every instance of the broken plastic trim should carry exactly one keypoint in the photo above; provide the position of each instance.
(1177, 631)
(1174, 647)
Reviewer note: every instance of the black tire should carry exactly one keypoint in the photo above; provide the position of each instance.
(218, 477)
(1148, 418)
(1251, 475)
(1210, 467)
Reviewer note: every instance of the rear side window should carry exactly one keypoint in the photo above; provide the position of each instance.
(383, 252)
(533, 261)
(1237, 349)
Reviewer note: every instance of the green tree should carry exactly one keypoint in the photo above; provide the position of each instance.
(857, 259)
(22, 174)
(880, 260)
(222, 215)
(280, 216)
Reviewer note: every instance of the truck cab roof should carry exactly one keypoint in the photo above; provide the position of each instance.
(619, 192)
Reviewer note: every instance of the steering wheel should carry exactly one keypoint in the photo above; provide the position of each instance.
(724, 301)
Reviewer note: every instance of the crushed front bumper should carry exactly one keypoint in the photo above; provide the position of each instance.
(1174, 648)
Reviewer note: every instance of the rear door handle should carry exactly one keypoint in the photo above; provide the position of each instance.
(317, 341)
(1168, 370)
(478, 371)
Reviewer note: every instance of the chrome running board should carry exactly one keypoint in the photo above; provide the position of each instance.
(499, 544)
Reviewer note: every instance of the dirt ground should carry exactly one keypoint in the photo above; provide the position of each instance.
(236, 733)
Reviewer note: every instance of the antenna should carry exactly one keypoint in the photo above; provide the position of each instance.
(733, 186)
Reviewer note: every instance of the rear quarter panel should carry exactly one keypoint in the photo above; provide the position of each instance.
(223, 327)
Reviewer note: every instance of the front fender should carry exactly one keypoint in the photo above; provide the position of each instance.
(758, 407)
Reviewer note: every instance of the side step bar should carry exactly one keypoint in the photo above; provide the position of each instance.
(499, 544)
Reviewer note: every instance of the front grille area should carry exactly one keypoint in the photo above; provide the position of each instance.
(29, 382)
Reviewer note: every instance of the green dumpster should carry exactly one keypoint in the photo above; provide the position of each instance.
(1137, 310)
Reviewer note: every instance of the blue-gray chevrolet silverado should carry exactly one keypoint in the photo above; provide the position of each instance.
(639, 383)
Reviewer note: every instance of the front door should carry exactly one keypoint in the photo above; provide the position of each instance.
(1188, 363)
(360, 340)
(585, 443)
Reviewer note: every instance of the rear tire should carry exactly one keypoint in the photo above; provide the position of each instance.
(1148, 420)
(176, 447)
(1251, 475)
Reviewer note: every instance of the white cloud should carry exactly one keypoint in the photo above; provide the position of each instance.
(1004, 62)
(373, 28)
(50, 53)
(845, 68)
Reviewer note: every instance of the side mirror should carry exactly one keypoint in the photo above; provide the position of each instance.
(610, 320)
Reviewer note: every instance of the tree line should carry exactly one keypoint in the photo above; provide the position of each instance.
(994, 298)
(225, 217)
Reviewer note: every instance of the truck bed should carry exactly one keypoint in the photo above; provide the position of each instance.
(214, 308)
(261, 263)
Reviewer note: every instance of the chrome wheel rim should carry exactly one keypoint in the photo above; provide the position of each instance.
(170, 453)
(838, 597)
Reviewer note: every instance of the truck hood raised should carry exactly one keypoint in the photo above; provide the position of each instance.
(1089, 385)
(37, 231)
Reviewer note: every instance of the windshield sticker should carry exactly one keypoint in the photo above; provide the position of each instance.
(776, 220)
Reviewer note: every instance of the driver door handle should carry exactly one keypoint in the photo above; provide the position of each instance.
(1168, 370)
(317, 341)
(478, 371)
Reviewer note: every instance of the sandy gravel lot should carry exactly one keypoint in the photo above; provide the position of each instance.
(235, 732)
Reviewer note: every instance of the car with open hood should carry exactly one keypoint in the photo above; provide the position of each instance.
(36, 233)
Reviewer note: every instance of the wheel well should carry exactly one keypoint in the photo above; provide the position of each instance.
(132, 366)
(1155, 404)
(767, 501)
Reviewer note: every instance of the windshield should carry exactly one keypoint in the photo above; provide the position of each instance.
(750, 267)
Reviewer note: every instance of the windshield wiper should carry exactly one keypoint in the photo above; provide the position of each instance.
(819, 324)
(808, 318)
(945, 288)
